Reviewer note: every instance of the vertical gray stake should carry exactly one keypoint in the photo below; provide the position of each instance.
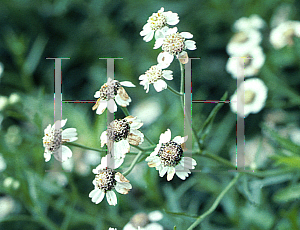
(110, 116)
(57, 97)
(240, 127)
(187, 110)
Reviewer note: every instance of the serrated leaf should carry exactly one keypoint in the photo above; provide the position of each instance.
(287, 194)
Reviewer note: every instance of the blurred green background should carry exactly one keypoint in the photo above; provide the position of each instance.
(84, 31)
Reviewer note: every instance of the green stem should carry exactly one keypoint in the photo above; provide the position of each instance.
(218, 159)
(144, 149)
(216, 203)
(84, 147)
(133, 164)
(150, 142)
(175, 91)
(125, 111)
(181, 82)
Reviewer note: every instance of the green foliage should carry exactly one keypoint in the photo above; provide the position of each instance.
(45, 195)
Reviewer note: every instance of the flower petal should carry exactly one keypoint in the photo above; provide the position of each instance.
(122, 102)
(123, 188)
(160, 85)
(158, 43)
(164, 60)
(153, 161)
(47, 155)
(179, 140)
(163, 171)
(102, 106)
(111, 106)
(167, 74)
(186, 35)
(171, 172)
(148, 37)
(103, 138)
(171, 18)
(182, 175)
(97, 195)
(111, 198)
(127, 84)
(190, 45)
(165, 137)
(97, 94)
(120, 149)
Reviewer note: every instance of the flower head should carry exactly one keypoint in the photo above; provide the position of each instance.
(120, 133)
(142, 221)
(168, 157)
(253, 22)
(107, 179)
(283, 34)
(174, 44)
(255, 95)
(110, 92)
(53, 139)
(243, 42)
(157, 24)
(251, 65)
(155, 76)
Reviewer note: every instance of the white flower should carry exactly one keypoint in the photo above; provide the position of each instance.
(174, 43)
(251, 65)
(168, 157)
(142, 221)
(120, 133)
(3, 102)
(2, 163)
(110, 92)
(7, 206)
(283, 34)
(107, 179)
(53, 139)
(253, 22)
(255, 95)
(1, 69)
(155, 76)
(112, 229)
(157, 24)
(243, 42)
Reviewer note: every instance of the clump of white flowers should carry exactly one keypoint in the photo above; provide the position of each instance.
(246, 44)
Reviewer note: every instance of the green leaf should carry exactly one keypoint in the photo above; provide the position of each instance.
(290, 161)
(283, 142)
(287, 194)
(180, 214)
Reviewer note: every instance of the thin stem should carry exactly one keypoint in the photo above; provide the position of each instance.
(216, 203)
(175, 91)
(125, 111)
(150, 142)
(133, 164)
(218, 159)
(144, 149)
(181, 82)
(84, 147)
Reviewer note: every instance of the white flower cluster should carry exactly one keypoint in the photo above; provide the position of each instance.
(245, 44)
(168, 156)
(172, 43)
(283, 34)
